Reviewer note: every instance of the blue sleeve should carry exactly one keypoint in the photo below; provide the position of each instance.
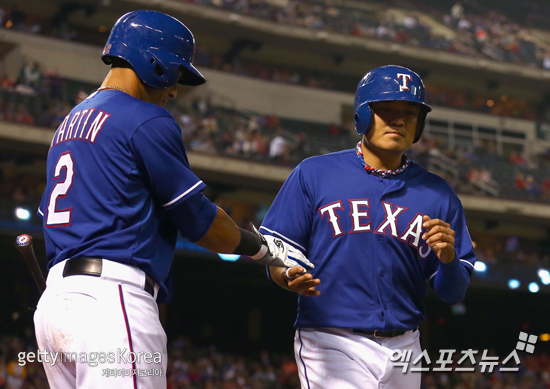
(158, 148)
(42, 207)
(194, 216)
(452, 279)
(290, 216)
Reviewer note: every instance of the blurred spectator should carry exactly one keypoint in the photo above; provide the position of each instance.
(334, 130)
(546, 60)
(546, 189)
(9, 112)
(457, 11)
(277, 147)
(7, 83)
(31, 77)
(531, 186)
(53, 82)
(520, 181)
(23, 116)
(46, 116)
(298, 151)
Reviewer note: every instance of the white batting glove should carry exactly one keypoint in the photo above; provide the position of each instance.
(276, 252)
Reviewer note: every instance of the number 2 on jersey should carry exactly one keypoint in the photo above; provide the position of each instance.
(62, 217)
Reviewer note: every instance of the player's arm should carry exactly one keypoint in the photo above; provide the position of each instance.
(290, 217)
(223, 235)
(207, 225)
(157, 144)
(295, 279)
(453, 247)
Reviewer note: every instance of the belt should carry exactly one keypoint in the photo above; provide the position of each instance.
(93, 267)
(382, 334)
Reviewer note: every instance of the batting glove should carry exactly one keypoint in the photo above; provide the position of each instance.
(275, 252)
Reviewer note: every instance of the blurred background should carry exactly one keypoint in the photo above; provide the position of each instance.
(281, 78)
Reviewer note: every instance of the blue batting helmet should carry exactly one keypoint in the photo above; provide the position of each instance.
(157, 46)
(389, 83)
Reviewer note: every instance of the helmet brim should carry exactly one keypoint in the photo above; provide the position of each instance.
(191, 76)
(406, 97)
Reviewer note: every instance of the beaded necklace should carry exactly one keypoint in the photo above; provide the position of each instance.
(111, 87)
(379, 172)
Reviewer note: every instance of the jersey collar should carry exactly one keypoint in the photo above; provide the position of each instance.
(379, 172)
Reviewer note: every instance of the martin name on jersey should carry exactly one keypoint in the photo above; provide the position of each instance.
(77, 125)
(120, 187)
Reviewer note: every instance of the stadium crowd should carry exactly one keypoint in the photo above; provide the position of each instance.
(488, 103)
(42, 98)
(495, 27)
(488, 35)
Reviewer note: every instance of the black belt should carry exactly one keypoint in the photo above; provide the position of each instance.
(381, 334)
(92, 267)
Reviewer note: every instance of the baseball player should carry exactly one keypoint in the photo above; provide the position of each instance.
(119, 189)
(376, 225)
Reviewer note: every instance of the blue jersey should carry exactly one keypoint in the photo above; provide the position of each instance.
(119, 187)
(364, 233)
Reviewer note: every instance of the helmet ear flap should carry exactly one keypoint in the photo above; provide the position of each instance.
(363, 119)
(420, 125)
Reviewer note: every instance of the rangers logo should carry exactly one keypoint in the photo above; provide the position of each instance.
(22, 240)
(107, 49)
(405, 78)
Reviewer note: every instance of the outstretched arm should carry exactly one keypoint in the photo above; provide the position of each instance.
(224, 236)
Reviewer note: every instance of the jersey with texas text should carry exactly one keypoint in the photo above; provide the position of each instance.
(117, 169)
(364, 233)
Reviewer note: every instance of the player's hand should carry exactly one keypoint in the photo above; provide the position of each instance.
(301, 282)
(280, 253)
(440, 237)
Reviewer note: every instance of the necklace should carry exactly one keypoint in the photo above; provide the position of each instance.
(111, 87)
(379, 172)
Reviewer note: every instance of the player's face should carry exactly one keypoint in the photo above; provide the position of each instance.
(394, 126)
(160, 96)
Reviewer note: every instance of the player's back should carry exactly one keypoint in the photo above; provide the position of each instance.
(98, 201)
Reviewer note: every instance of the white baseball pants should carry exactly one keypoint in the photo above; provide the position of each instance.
(104, 331)
(338, 358)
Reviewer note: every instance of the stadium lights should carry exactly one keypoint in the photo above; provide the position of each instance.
(513, 284)
(544, 337)
(480, 266)
(533, 287)
(544, 276)
(229, 257)
(22, 213)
